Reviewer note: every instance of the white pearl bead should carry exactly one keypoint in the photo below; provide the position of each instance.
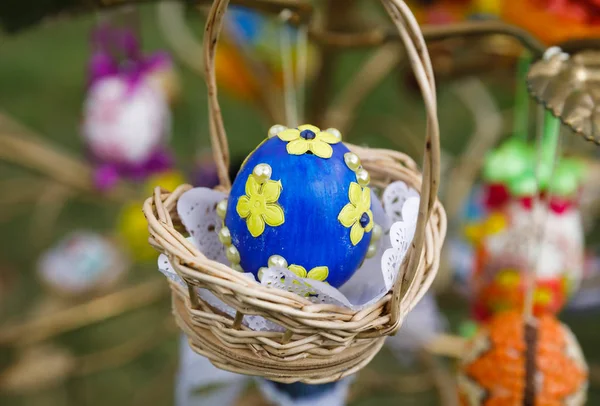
(225, 236)
(277, 261)
(276, 129)
(363, 177)
(371, 251)
(352, 161)
(261, 272)
(232, 255)
(335, 132)
(376, 232)
(238, 268)
(262, 172)
(222, 208)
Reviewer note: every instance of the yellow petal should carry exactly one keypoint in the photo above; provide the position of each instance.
(356, 233)
(271, 191)
(369, 226)
(297, 147)
(273, 215)
(327, 137)
(355, 194)
(349, 215)
(298, 270)
(321, 149)
(312, 128)
(252, 186)
(365, 199)
(256, 225)
(243, 207)
(290, 134)
(319, 273)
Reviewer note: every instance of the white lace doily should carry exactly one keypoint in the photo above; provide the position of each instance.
(376, 276)
(197, 209)
(394, 197)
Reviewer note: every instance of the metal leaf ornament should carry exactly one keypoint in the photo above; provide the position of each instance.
(569, 86)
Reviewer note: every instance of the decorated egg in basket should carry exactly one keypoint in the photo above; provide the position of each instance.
(300, 201)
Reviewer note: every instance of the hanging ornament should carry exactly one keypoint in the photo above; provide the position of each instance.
(510, 362)
(126, 116)
(81, 263)
(516, 176)
(502, 251)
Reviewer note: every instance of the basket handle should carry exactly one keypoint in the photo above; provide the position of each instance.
(218, 136)
(416, 49)
(413, 40)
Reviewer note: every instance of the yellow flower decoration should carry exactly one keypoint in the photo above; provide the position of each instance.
(259, 205)
(357, 214)
(319, 273)
(308, 138)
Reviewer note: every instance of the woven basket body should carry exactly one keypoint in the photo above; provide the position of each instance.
(319, 343)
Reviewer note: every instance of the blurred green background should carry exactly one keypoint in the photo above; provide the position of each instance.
(42, 84)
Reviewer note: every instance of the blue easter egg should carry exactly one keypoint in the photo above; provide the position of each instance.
(301, 200)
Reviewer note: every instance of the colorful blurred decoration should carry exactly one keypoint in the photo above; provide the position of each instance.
(248, 60)
(300, 176)
(126, 116)
(552, 21)
(529, 214)
(82, 263)
(440, 12)
(132, 227)
(555, 21)
(502, 238)
(510, 362)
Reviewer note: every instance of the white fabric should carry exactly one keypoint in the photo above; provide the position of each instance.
(200, 383)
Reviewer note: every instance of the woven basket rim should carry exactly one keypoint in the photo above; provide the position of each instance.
(195, 267)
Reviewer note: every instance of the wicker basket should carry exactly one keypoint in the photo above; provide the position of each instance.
(321, 343)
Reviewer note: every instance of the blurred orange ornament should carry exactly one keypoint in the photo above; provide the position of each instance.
(554, 21)
(233, 73)
(512, 363)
